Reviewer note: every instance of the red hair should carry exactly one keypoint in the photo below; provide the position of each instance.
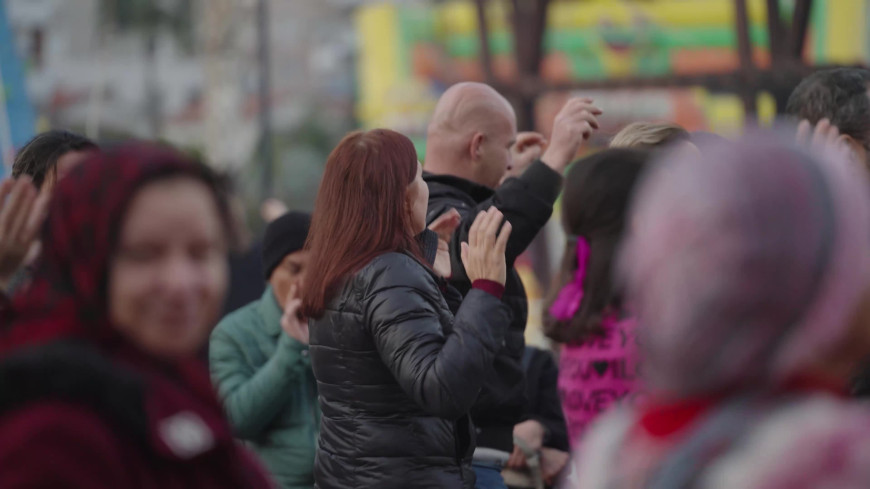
(360, 211)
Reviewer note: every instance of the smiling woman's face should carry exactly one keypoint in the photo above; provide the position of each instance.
(168, 276)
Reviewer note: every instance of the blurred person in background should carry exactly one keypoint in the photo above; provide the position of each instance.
(22, 213)
(397, 371)
(37, 168)
(101, 384)
(598, 365)
(472, 144)
(49, 156)
(837, 97)
(835, 104)
(753, 302)
(258, 357)
(650, 135)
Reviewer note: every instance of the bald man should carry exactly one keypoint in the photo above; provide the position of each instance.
(475, 159)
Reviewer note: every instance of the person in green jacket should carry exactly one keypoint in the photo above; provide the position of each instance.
(258, 357)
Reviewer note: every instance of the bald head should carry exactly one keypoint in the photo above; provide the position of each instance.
(467, 107)
(470, 134)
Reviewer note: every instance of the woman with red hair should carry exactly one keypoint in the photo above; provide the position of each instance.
(396, 371)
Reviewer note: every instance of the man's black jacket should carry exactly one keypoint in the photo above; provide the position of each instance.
(527, 203)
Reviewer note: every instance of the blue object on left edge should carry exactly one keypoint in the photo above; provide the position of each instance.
(13, 93)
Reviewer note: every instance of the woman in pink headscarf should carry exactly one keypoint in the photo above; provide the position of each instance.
(597, 364)
(748, 271)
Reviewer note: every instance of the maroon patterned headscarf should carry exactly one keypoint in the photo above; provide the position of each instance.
(68, 295)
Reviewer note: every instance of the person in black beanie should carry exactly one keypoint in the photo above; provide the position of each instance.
(258, 357)
(283, 246)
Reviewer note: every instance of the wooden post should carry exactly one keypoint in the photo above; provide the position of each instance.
(777, 32)
(748, 91)
(529, 21)
(799, 27)
(483, 35)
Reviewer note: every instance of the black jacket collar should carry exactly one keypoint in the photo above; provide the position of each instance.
(449, 184)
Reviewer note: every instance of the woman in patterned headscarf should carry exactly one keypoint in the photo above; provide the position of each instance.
(100, 385)
(747, 272)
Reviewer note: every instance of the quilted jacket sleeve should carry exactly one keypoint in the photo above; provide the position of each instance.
(442, 372)
(526, 202)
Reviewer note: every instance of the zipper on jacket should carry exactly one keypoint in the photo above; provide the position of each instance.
(312, 410)
(457, 444)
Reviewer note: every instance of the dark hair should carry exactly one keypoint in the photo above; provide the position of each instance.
(38, 158)
(598, 191)
(360, 211)
(840, 95)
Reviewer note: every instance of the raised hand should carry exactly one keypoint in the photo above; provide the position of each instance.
(483, 253)
(825, 138)
(292, 321)
(573, 125)
(444, 225)
(528, 148)
(22, 212)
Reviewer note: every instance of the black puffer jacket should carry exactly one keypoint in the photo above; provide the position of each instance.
(527, 203)
(397, 374)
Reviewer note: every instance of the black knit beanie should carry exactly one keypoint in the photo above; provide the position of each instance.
(284, 236)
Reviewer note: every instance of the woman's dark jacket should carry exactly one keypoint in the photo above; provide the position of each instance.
(397, 374)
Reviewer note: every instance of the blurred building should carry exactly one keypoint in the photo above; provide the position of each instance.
(87, 73)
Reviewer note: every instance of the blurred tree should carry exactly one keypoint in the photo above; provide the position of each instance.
(150, 19)
(301, 153)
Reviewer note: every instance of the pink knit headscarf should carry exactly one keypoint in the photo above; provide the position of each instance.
(745, 265)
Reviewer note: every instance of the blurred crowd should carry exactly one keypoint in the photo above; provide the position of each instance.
(710, 318)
